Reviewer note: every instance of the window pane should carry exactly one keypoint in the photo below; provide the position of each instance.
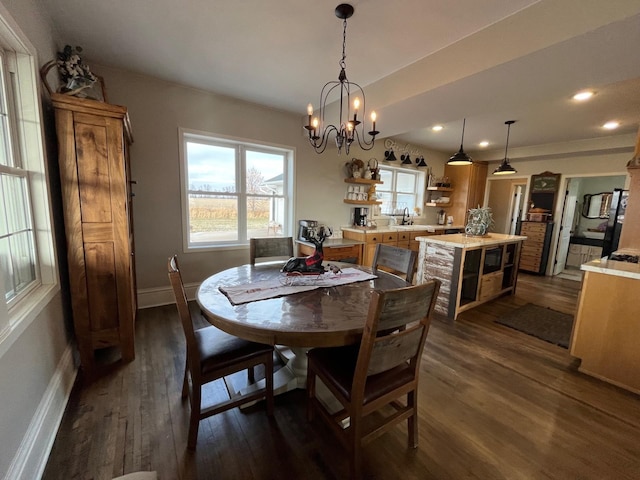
(406, 182)
(264, 216)
(387, 180)
(16, 203)
(21, 246)
(265, 173)
(5, 268)
(212, 218)
(211, 168)
(406, 201)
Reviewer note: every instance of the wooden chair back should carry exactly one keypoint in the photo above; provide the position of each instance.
(401, 260)
(388, 311)
(270, 247)
(193, 356)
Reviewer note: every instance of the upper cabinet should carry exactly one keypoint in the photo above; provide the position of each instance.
(467, 183)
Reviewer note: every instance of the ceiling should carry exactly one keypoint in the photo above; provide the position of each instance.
(421, 62)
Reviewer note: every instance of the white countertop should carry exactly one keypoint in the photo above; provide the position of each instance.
(403, 228)
(462, 241)
(333, 242)
(611, 267)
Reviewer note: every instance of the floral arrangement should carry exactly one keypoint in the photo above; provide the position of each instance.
(479, 222)
(75, 74)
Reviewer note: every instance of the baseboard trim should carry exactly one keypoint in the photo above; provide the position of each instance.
(155, 297)
(31, 458)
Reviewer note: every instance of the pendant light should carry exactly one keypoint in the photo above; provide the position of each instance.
(505, 167)
(460, 158)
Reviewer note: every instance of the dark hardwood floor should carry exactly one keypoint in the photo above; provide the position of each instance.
(494, 404)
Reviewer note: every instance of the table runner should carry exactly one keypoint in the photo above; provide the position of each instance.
(288, 285)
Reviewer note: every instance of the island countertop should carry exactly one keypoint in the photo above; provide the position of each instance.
(460, 240)
(612, 267)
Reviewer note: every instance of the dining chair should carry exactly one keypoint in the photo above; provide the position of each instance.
(270, 247)
(378, 372)
(213, 354)
(396, 259)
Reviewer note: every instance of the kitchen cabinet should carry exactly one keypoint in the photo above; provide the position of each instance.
(468, 184)
(579, 254)
(397, 238)
(535, 250)
(606, 330)
(336, 250)
(93, 141)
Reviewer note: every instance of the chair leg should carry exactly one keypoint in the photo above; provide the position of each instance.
(185, 382)
(355, 441)
(268, 377)
(412, 421)
(251, 374)
(194, 418)
(311, 392)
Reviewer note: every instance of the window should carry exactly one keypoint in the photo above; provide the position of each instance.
(28, 276)
(234, 190)
(401, 188)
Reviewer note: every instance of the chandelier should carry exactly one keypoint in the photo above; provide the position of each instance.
(348, 128)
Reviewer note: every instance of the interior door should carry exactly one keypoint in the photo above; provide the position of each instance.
(568, 212)
(517, 202)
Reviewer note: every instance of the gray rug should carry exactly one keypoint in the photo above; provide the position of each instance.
(544, 323)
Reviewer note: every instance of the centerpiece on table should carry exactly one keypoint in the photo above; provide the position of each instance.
(479, 222)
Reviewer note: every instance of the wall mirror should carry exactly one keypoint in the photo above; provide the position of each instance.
(596, 205)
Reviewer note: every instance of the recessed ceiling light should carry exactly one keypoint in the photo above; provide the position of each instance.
(583, 95)
(484, 144)
(437, 128)
(611, 125)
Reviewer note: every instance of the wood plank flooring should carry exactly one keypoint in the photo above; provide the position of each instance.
(494, 404)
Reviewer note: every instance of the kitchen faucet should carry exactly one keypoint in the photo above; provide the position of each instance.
(406, 219)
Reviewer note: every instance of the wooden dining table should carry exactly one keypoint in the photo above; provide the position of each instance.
(323, 317)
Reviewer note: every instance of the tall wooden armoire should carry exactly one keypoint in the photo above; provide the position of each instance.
(93, 141)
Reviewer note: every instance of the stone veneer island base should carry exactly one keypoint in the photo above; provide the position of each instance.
(473, 270)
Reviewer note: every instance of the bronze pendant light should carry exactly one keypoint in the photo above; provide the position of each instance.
(505, 167)
(460, 157)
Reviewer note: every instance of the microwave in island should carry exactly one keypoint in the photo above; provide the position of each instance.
(492, 260)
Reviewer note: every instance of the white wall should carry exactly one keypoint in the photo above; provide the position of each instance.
(36, 370)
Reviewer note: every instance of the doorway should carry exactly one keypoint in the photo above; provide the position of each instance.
(579, 240)
(506, 198)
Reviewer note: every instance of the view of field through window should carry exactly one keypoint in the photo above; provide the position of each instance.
(234, 193)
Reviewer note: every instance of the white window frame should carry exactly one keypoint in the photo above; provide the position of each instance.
(420, 186)
(18, 314)
(240, 144)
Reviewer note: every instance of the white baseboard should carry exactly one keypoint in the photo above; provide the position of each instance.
(31, 458)
(154, 297)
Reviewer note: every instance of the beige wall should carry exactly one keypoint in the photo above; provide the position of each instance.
(157, 109)
(28, 368)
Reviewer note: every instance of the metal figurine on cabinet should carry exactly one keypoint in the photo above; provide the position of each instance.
(313, 263)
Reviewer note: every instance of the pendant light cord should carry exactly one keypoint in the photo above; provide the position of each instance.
(507, 145)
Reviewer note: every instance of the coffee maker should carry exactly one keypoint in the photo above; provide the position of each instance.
(360, 216)
(307, 229)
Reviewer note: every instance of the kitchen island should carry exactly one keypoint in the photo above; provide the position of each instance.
(606, 331)
(473, 270)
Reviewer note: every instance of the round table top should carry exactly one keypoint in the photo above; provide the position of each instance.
(324, 317)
